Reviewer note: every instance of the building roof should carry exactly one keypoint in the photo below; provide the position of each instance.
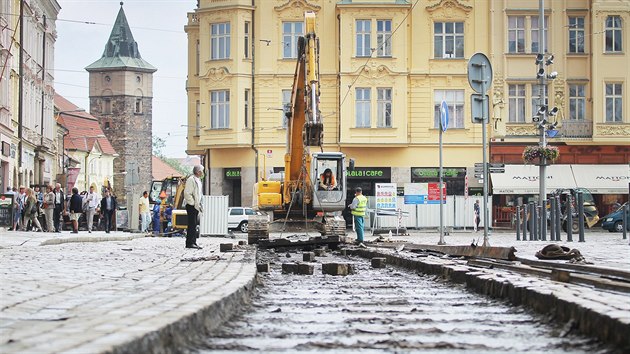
(84, 131)
(162, 170)
(121, 50)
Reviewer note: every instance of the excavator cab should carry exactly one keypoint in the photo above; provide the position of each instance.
(328, 175)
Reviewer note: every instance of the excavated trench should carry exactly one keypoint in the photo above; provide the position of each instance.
(386, 310)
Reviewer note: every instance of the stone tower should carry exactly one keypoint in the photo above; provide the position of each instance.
(121, 94)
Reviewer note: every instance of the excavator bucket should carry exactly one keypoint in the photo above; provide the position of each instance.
(313, 133)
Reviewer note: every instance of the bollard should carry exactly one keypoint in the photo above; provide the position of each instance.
(534, 231)
(624, 221)
(543, 220)
(532, 217)
(569, 220)
(518, 223)
(552, 219)
(524, 226)
(581, 216)
(558, 218)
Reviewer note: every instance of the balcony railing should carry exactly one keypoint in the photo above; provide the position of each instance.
(576, 129)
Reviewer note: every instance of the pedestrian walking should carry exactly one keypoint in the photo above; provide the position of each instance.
(76, 209)
(477, 211)
(145, 211)
(108, 207)
(22, 201)
(192, 197)
(60, 207)
(92, 201)
(31, 210)
(358, 208)
(16, 208)
(49, 208)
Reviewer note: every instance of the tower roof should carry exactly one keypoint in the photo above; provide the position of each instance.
(121, 50)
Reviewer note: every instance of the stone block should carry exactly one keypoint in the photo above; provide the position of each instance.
(242, 243)
(352, 269)
(308, 257)
(560, 275)
(320, 252)
(335, 268)
(289, 268)
(263, 267)
(378, 262)
(344, 252)
(224, 247)
(305, 269)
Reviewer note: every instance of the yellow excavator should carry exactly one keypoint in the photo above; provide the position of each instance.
(300, 201)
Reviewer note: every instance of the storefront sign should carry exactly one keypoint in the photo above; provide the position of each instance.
(386, 196)
(431, 172)
(232, 173)
(370, 173)
(6, 210)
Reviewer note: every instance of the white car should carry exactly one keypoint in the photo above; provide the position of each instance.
(237, 218)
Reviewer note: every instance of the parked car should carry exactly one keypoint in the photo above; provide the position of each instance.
(613, 222)
(237, 218)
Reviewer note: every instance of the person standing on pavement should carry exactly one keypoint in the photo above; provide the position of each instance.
(49, 208)
(108, 207)
(92, 200)
(22, 201)
(60, 207)
(76, 209)
(31, 210)
(145, 212)
(477, 211)
(192, 197)
(358, 208)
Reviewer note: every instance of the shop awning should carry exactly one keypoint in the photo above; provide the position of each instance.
(523, 179)
(602, 179)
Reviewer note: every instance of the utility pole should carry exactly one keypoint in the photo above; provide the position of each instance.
(21, 95)
(542, 91)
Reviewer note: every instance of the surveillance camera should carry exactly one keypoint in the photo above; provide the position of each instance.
(539, 59)
(552, 75)
(549, 60)
(540, 73)
(553, 111)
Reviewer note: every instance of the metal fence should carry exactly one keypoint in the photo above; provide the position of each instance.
(214, 219)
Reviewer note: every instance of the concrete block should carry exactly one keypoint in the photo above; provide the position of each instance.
(289, 268)
(305, 269)
(308, 257)
(378, 262)
(242, 243)
(320, 252)
(263, 267)
(335, 268)
(224, 247)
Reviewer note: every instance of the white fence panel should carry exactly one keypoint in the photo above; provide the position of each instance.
(214, 219)
(458, 213)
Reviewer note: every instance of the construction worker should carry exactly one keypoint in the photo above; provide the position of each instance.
(358, 208)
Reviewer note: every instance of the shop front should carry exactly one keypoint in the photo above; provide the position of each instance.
(232, 185)
(366, 178)
(453, 177)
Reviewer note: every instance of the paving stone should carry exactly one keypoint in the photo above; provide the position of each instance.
(224, 247)
(335, 269)
(378, 262)
(308, 257)
(289, 268)
(305, 269)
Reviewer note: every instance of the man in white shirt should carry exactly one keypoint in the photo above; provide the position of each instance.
(92, 200)
(145, 213)
(192, 198)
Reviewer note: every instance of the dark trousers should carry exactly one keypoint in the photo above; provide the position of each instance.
(57, 217)
(108, 219)
(193, 220)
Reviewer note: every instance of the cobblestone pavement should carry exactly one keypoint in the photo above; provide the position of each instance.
(89, 297)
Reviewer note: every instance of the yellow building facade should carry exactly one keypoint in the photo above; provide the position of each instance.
(385, 66)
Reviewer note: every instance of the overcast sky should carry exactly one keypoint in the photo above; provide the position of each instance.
(157, 26)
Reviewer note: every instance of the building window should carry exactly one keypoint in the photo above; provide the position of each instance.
(384, 38)
(536, 93)
(363, 107)
(220, 42)
(107, 106)
(614, 103)
(220, 109)
(364, 41)
(577, 102)
(197, 49)
(138, 106)
(448, 39)
(613, 34)
(384, 107)
(286, 105)
(576, 34)
(516, 103)
(246, 40)
(516, 34)
(455, 101)
(534, 33)
(197, 117)
(246, 115)
(290, 33)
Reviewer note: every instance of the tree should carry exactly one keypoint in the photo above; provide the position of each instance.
(158, 144)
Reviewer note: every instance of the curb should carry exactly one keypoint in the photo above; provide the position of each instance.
(58, 241)
(589, 322)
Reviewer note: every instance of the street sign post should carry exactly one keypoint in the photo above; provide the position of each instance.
(480, 79)
(477, 108)
(443, 128)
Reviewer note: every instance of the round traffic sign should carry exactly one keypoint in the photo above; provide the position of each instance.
(479, 73)
(444, 116)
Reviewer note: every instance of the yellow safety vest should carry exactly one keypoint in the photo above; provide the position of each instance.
(360, 209)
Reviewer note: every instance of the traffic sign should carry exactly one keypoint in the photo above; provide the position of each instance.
(497, 170)
(444, 116)
(479, 175)
(496, 165)
(479, 164)
(477, 112)
(479, 73)
(479, 169)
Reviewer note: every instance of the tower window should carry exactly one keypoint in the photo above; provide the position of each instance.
(138, 107)
(107, 106)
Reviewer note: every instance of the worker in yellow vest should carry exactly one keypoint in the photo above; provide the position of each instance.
(358, 208)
